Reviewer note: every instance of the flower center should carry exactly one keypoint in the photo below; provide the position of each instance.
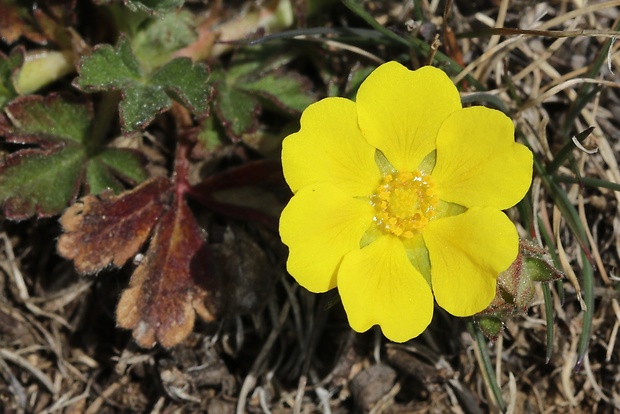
(404, 203)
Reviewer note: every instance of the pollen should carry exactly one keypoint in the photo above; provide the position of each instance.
(404, 203)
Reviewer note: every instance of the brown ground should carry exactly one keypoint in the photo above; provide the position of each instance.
(60, 350)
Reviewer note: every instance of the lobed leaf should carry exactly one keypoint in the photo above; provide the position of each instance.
(141, 104)
(124, 163)
(40, 182)
(156, 40)
(153, 6)
(43, 180)
(171, 284)
(156, 7)
(185, 81)
(236, 110)
(253, 81)
(144, 95)
(108, 68)
(287, 91)
(108, 230)
(100, 178)
(49, 120)
(105, 170)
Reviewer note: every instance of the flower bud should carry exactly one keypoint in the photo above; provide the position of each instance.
(515, 289)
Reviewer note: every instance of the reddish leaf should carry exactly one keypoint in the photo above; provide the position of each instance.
(171, 283)
(109, 230)
(253, 191)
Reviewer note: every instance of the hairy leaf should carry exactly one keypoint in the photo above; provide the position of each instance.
(106, 170)
(108, 230)
(124, 163)
(249, 85)
(171, 283)
(236, 110)
(109, 68)
(42, 183)
(160, 6)
(186, 82)
(44, 179)
(145, 95)
(286, 91)
(155, 40)
(155, 7)
(48, 120)
(140, 106)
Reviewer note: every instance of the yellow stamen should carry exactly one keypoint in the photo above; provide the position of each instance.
(404, 203)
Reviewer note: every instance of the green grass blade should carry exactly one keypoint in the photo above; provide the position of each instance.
(411, 42)
(488, 371)
(588, 314)
(589, 182)
(567, 150)
(549, 319)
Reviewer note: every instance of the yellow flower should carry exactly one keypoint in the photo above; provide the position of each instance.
(398, 198)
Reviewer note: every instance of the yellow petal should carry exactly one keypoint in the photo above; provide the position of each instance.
(320, 225)
(400, 111)
(467, 254)
(330, 148)
(378, 285)
(478, 161)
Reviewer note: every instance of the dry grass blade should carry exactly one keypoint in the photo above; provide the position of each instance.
(551, 66)
(37, 373)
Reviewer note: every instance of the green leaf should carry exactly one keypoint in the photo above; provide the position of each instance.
(286, 91)
(144, 95)
(157, 39)
(44, 179)
(8, 66)
(255, 80)
(51, 119)
(210, 136)
(35, 182)
(104, 170)
(125, 163)
(100, 178)
(186, 83)
(236, 109)
(141, 104)
(109, 68)
(155, 7)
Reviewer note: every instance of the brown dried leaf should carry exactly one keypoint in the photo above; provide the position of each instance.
(372, 384)
(109, 230)
(245, 271)
(171, 283)
(14, 23)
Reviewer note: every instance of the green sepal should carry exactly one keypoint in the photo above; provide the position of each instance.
(490, 326)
